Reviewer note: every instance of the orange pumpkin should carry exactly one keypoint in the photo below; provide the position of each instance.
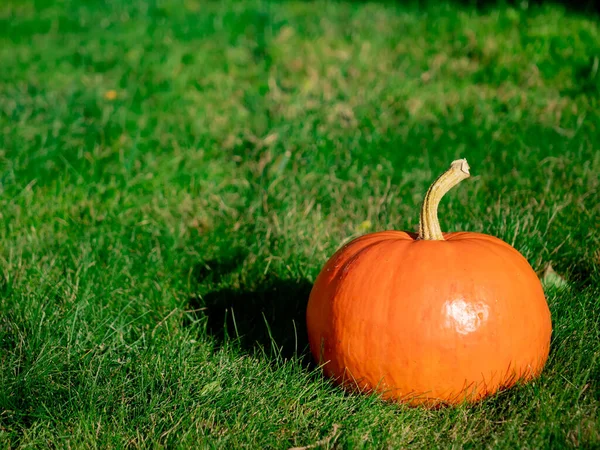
(429, 318)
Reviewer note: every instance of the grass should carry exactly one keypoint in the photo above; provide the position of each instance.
(174, 174)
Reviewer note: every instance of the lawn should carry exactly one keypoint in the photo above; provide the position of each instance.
(174, 174)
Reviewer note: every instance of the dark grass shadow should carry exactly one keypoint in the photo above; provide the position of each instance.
(581, 6)
(215, 269)
(270, 318)
(582, 273)
(577, 6)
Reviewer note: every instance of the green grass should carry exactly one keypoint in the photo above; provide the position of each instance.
(157, 249)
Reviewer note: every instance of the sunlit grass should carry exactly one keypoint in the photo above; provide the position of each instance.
(175, 174)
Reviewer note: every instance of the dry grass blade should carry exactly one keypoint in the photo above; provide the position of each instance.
(552, 279)
(326, 441)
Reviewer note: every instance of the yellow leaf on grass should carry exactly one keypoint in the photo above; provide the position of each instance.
(365, 226)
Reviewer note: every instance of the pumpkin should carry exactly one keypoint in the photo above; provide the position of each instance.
(430, 318)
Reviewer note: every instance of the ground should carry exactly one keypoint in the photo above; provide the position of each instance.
(174, 174)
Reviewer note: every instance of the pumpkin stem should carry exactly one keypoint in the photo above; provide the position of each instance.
(429, 225)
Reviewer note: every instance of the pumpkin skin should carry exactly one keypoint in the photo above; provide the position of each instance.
(429, 322)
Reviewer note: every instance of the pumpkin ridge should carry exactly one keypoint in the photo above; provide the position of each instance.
(345, 266)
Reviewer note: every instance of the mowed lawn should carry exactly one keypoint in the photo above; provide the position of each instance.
(174, 174)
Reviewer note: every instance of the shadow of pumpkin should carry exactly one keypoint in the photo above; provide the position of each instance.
(270, 317)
